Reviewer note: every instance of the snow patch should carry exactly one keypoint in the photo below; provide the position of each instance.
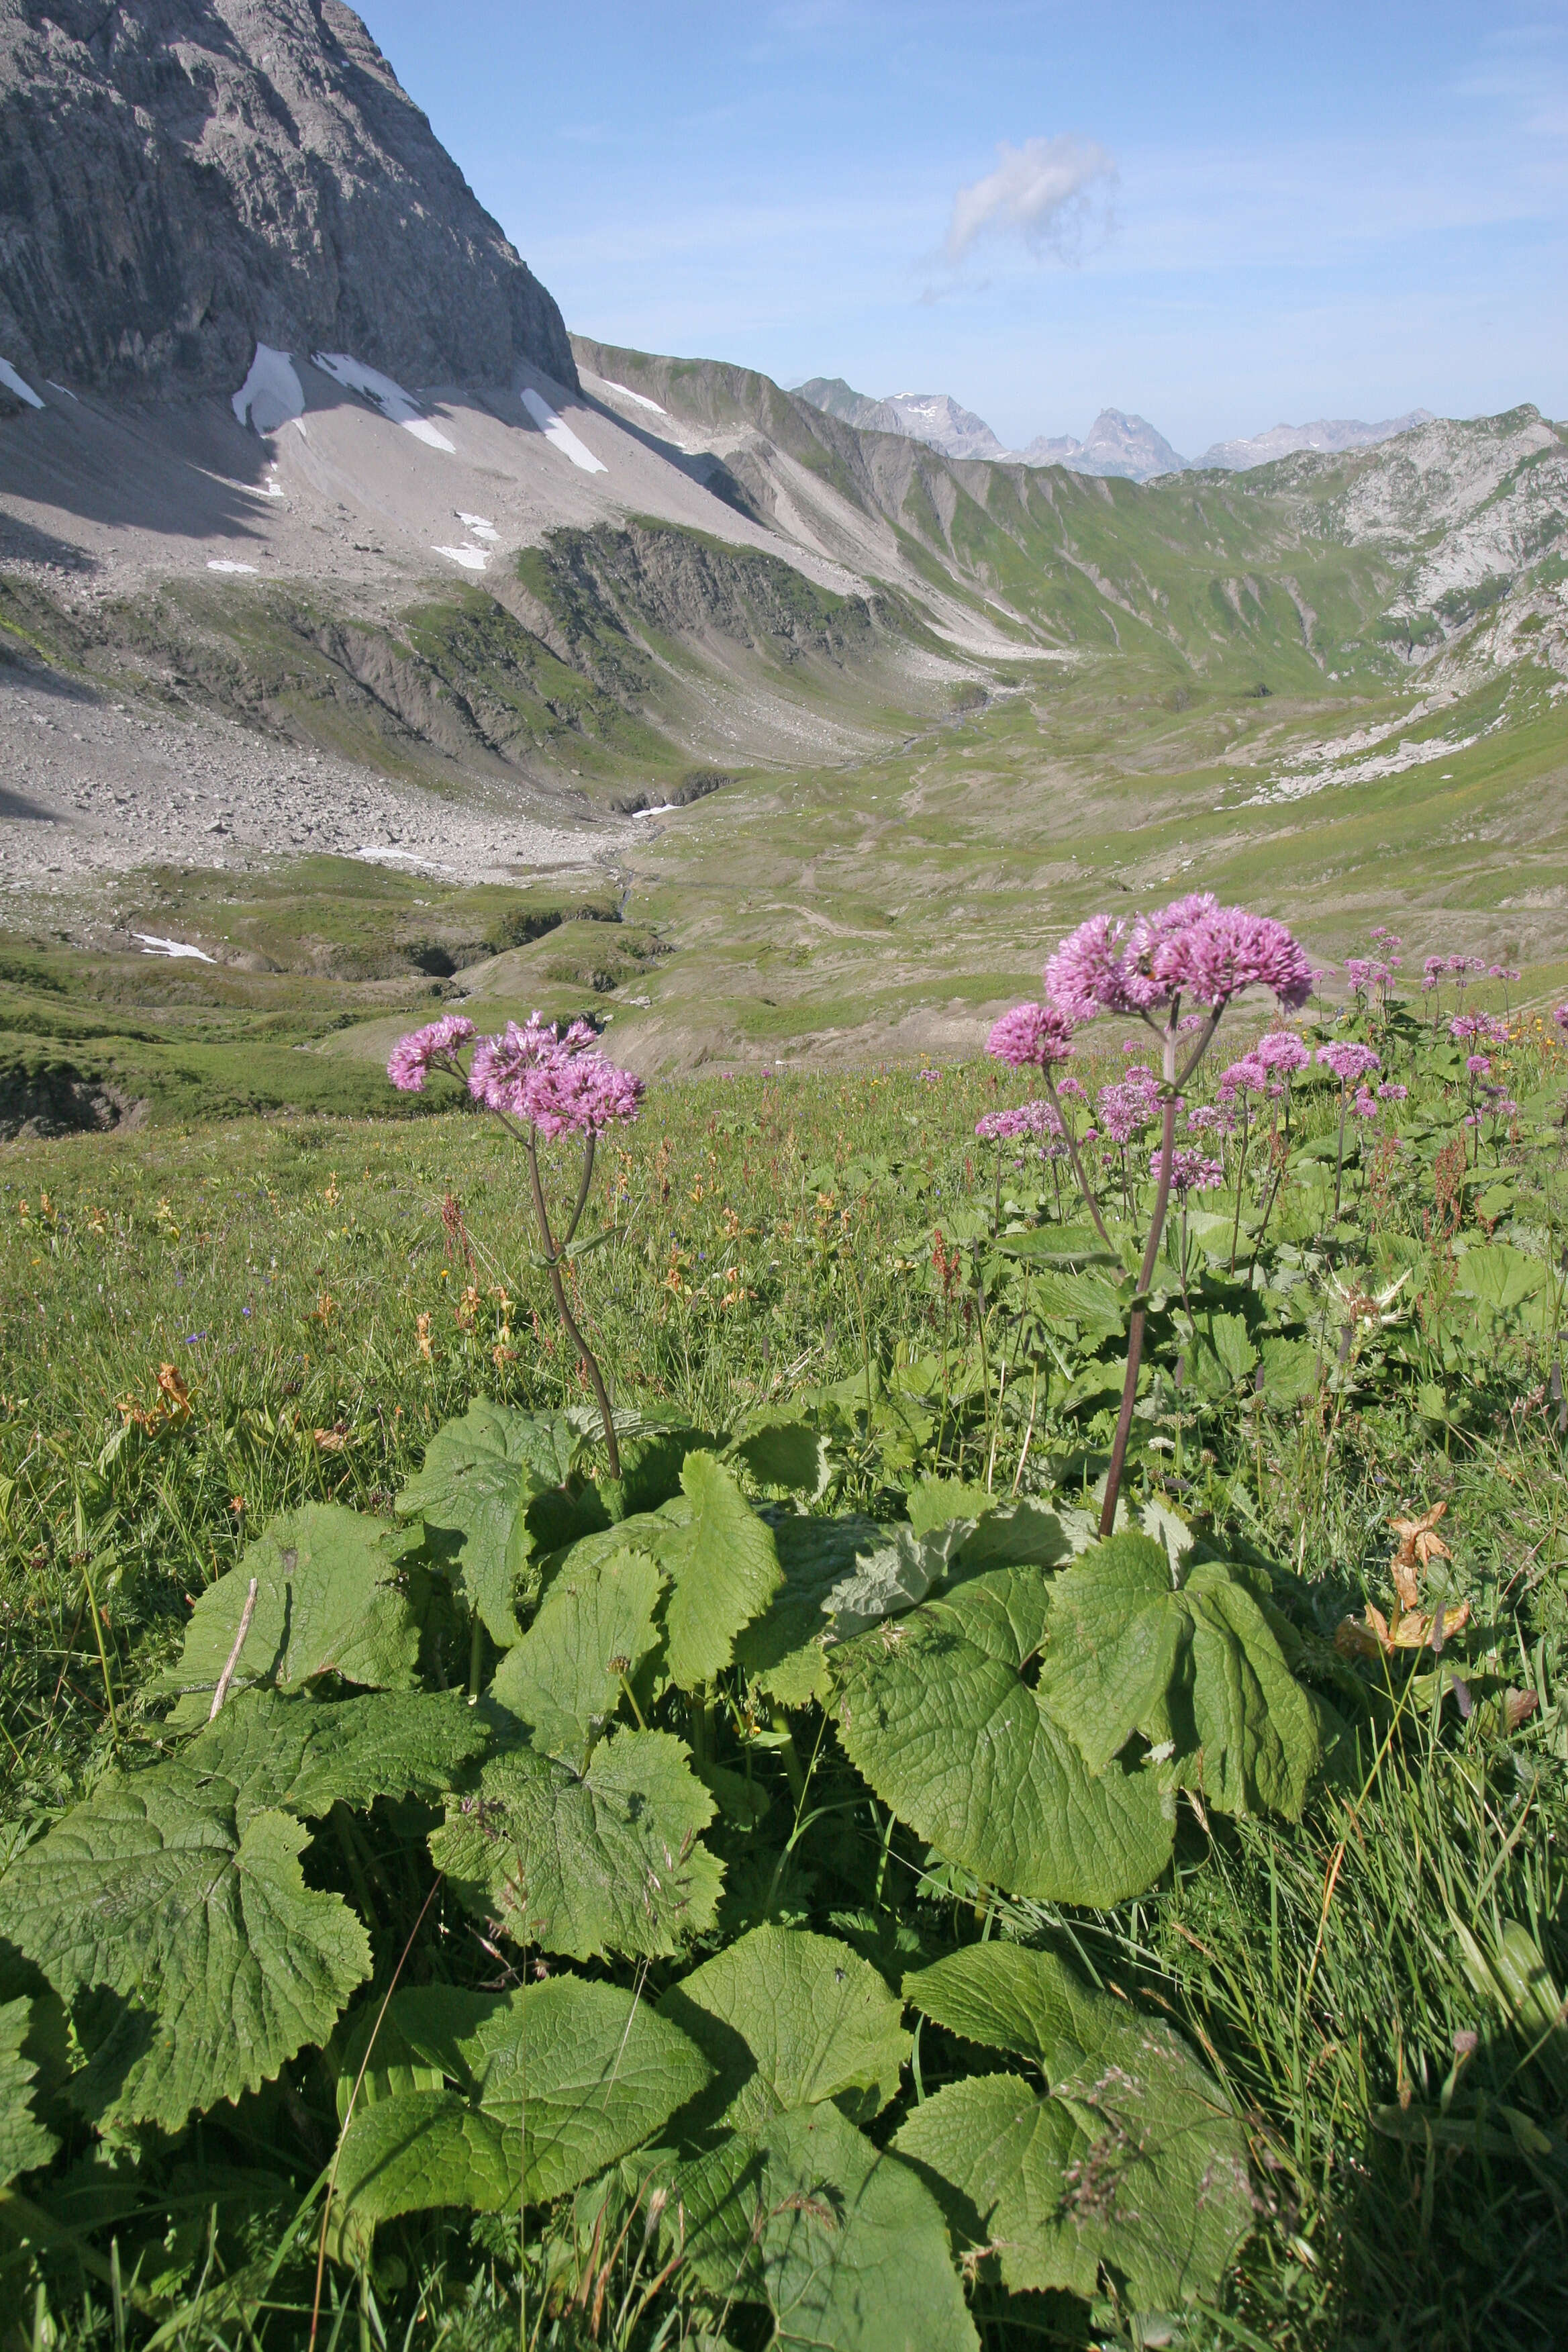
(399, 407)
(561, 434)
(627, 393)
(60, 387)
(472, 559)
(223, 563)
(663, 809)
(480, 525)
(152, 945)
(396, 856)
(271, 394)
(13, 383)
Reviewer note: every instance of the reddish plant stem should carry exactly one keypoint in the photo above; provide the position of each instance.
(552, 1266)
(1172, 1088)
(1089, 1198)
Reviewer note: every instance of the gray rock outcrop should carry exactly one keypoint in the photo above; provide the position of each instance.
(182, 179)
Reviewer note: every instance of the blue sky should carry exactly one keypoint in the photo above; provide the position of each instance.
(1217, 216)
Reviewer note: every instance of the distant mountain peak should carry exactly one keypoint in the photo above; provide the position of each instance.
(1326, 434)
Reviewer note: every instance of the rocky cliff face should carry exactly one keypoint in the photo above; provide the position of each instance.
(182, 179)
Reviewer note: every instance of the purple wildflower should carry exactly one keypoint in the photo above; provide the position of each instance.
(1249, 1076)
(1363, 1104)
(1559, 1014)
(1478, 1066)
(435, 1046)
(1036, 1037)
(1392, 1091)
(1281, 1049)
(1036, 1118)
(1348, 1060)
(1190, 1171)
(556, 1084)
(1194, 947)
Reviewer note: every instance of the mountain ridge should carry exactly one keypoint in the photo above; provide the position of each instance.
(1116, 443)
(181, 184)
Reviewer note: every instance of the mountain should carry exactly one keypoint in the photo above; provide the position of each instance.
(934, 417)
(181, 182)
(1327, 433)
(1116, 445)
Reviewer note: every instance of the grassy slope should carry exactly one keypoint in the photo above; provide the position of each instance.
(282, 1270)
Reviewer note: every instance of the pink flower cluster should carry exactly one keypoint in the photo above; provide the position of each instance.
(1190, 1171)
(1479, 1029)
(1282, 1052)
(432, 1047)
(1033, 1118)
(557, 1084)
(1194, 947)
(1348, 1060)
(1032, 1037)
(1559, 1014)
(1126, 1107)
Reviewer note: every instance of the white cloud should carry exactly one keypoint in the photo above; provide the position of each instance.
(1049, 191)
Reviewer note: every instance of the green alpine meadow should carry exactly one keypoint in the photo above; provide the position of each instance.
(917, 1709)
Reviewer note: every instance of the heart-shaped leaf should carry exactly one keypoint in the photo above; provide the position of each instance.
(786, 2020)
(844, 2242)
(1131, 2159)
(605, 1859)
(566, 1678)
(936, 1712)
(1197, 1669)
(549, 2085)
(331, 1598)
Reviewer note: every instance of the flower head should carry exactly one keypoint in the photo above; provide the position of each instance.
(557, 1084)
(1036, 1118)
(1194, 947)
(1281, 1049)
(435, 1046)
(1478, 1066)
(1348, 1060)
(1249, 1076)
(1190, 1171)
(1559, 1014)
(1392, 1091)
(1038, 1036)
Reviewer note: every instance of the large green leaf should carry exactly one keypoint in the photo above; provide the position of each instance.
(331, 1598)
(179, 1890)
(1498, 1277)
(724, 1573)
(608, 1860)
(935, 1711)
(1196, 1669)
(781, 1450)
(895, 1577)
(564, 1680)
(782, 1651)
(152, 1889)
(788, 2020)
(844, 2243)
(549, 2085)
(1131, 2159)
(23, 2142)
(479, 1474)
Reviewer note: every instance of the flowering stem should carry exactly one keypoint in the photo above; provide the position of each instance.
(1140, 1310)
(1089, 1198)
(1340, 1159)
(552, 1266)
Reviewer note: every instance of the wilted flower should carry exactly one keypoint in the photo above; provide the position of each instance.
(434, 1046)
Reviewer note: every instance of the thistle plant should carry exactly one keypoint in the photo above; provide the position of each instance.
(1194, 956)
(541, 1081)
